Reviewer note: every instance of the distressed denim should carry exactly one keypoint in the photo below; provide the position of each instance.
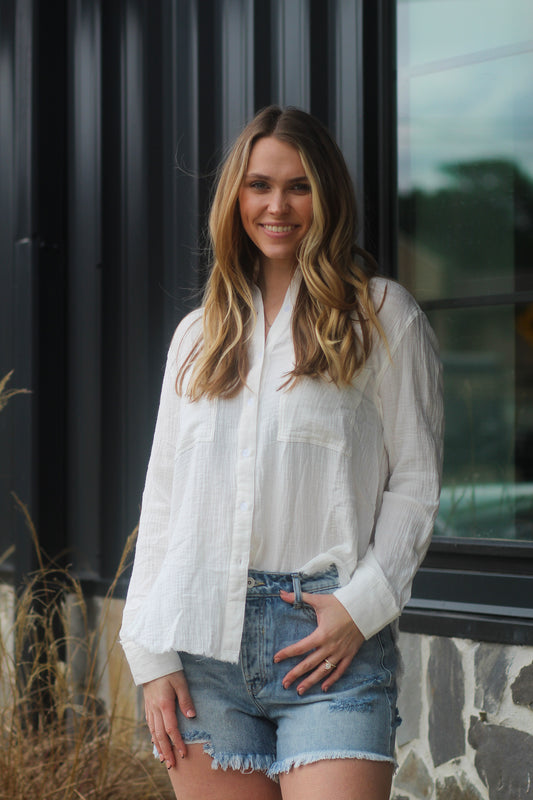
(247, 721)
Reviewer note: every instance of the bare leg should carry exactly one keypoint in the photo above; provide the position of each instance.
(338, 779)
(193, 778)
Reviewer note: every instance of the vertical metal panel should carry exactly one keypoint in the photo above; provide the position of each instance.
(262, 54)
(84, 298)
(320, 61)
(24, 275)
(7, 236)
(237, 32)
(134, 331)
(347, 89)
(380, 144)
(180, 161)
(127, 409)
(290, 42)
(31, 272)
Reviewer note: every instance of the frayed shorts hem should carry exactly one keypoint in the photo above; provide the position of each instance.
(285, 766)
(255, 762)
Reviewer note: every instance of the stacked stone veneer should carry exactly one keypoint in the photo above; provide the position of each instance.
(467, 730)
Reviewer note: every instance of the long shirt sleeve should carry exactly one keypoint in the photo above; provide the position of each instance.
(152, 541)
(409, 395)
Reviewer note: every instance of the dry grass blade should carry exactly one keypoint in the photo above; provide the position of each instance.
(6, 394)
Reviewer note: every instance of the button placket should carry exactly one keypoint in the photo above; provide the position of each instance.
(244, 496)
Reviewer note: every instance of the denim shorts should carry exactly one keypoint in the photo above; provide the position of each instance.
(247, 721)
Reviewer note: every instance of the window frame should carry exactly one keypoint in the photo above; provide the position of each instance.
(467, 588)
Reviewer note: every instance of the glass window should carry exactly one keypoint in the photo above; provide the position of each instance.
(465, 247)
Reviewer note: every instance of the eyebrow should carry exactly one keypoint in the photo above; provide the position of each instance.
(258, 176)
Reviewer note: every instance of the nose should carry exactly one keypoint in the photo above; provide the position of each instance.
(277, 202)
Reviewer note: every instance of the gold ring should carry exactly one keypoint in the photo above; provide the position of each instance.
(329, 665)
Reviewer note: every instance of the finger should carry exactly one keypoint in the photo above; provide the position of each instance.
(308, 664)
(185, 702)
(313, 600)
(161, 741)
(299, 648)
(166, 734)
(318, 675)
(335, 674)
(308, 598)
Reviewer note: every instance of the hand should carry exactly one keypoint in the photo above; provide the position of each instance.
(160, 709)
(336, 638)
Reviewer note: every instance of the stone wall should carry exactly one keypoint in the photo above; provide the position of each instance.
(467, 730)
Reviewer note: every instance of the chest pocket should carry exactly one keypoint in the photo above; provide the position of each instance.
(318, 413)
(197, 423)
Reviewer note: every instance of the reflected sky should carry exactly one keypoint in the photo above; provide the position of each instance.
(465, 86)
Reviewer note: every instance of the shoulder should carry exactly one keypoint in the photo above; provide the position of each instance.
(186, 335)
(401, 317)
(391, 298)
(395, 306)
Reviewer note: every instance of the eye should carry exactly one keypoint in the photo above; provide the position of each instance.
(259, 186)
(301, 188)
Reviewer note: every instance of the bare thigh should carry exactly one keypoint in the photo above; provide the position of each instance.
(338, 779)
(193, 778)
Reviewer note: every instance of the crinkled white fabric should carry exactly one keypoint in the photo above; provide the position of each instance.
(286, 480)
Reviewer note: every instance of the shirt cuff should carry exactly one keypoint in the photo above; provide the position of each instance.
(368, 599)
(146, 666)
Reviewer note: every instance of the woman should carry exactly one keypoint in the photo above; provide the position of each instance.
(290, 494)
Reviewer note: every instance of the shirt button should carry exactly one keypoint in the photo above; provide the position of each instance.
(250, 401)
(244, 506)
(245, 452)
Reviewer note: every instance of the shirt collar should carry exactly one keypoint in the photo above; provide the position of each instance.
(282, 323)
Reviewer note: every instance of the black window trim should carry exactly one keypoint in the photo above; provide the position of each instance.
(469, 588)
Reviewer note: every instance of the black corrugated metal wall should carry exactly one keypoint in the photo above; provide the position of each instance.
(113, 116)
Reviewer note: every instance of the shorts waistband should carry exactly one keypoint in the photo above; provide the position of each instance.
(266, 584)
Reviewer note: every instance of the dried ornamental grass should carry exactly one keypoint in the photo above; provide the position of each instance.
(58, 739)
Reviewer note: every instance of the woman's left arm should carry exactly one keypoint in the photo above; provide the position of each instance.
(409, 393)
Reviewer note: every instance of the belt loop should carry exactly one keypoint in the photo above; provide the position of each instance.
(297, 588)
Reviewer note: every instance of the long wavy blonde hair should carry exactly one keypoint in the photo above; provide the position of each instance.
(334, 292)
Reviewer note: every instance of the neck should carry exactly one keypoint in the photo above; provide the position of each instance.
(274, 281)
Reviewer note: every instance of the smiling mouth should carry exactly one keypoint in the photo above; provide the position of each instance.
(279, 228)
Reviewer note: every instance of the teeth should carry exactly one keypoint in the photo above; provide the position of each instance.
(279, 228)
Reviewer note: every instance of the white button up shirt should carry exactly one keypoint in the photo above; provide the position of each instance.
(286, 480)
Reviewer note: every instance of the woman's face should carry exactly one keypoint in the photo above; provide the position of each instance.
(275, 202)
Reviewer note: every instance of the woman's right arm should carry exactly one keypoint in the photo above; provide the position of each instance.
(152, 540)
(160, 673)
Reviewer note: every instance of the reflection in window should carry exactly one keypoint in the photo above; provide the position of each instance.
(465, 247)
